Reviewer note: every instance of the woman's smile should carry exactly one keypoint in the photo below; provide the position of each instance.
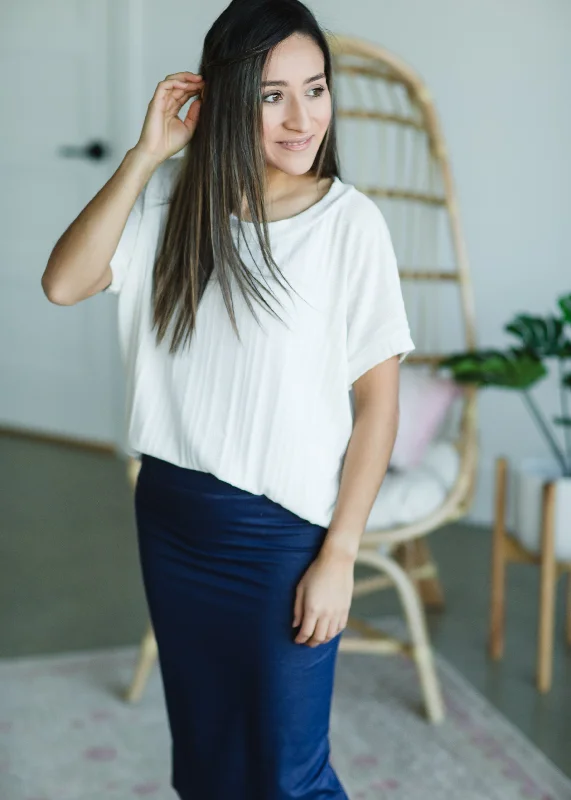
(297, 144)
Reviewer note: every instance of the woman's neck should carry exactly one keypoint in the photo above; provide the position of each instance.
(287, 195)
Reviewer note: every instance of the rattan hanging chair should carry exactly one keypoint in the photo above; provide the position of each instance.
(391, 148)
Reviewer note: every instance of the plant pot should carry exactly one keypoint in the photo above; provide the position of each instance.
(530, 476)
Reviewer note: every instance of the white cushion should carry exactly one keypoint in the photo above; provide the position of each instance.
(409, 495)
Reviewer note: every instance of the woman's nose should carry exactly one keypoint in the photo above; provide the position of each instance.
(297, 115)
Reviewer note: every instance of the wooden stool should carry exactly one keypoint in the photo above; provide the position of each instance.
(506, 549)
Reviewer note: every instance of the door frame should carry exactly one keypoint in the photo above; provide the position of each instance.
(126, 101)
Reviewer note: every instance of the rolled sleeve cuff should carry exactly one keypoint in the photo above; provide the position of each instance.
(378, 350)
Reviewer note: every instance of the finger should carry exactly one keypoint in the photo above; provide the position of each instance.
(192, 115)
(182, 96)
(334, 628)
(298, 608)
(307, 627)
(188, 87)
(180, 92)
(320, 633)
(176, 85)
(194, 87)
(183, 76)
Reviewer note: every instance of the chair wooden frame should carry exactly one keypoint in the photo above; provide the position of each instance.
(405, 562)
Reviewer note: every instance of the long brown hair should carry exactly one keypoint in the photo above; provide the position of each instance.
(224, 163)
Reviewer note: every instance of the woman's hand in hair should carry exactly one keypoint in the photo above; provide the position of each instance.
(164, 132)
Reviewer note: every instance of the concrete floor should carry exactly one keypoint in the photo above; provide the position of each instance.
(70, 580)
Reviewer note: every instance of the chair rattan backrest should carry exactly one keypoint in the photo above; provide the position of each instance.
(391, 147)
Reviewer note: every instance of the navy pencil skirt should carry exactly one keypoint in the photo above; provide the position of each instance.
(248, 708)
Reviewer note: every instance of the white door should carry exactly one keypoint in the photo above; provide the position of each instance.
(59, 366)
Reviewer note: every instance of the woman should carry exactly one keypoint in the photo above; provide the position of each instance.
(257, 475)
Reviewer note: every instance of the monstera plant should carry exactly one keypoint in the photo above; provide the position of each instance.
(523, 366)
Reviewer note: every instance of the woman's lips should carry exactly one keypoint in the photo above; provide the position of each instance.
(301, 146)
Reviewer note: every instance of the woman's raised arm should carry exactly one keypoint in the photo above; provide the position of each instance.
(78, 266)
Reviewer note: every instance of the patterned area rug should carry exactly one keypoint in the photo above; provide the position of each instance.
(67, 734)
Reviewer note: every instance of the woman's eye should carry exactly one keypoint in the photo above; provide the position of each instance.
(267, 98)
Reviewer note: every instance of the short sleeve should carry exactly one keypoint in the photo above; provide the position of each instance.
(123, 254)
(377, 323)
(138, 233)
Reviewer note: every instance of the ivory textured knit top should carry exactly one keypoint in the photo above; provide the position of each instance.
(272, 414)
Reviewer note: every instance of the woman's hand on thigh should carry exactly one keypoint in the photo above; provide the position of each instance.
(323, 598)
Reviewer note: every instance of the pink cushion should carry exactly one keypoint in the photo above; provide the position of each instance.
(424, 400)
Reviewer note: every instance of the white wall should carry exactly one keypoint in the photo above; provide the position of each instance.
(500, 76)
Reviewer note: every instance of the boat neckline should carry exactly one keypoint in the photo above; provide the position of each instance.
(307, 214)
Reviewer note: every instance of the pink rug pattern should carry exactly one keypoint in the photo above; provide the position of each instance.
(67, 734)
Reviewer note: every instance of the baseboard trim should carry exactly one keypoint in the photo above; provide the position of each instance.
(66, 441)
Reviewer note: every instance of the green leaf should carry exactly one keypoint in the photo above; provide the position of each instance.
(542, 335)
(564, 304)
(517, 368)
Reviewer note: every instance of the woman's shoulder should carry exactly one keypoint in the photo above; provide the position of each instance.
(359, 212)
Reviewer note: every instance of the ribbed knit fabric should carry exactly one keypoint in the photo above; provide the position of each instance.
(272, 414)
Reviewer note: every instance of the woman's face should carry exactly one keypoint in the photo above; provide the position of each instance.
(296, 104)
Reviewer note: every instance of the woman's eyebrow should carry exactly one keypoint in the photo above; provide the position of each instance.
(285, 83)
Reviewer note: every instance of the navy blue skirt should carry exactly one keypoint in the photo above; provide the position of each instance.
(248, 707)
